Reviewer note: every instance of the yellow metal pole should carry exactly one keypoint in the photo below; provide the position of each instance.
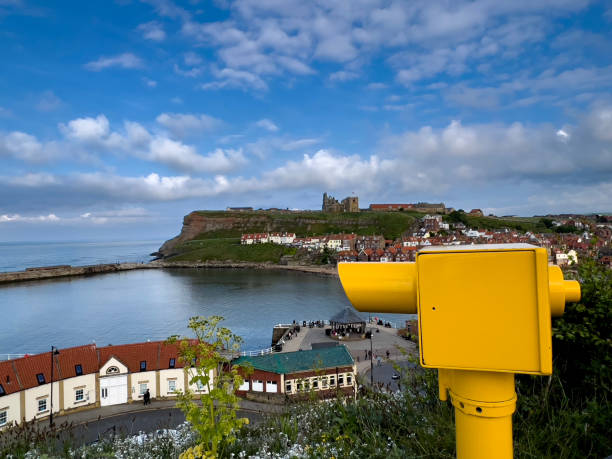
(484, 402)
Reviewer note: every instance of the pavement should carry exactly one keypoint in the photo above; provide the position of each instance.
(384, 339)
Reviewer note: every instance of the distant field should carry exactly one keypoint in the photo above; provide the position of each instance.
(524, 224)
(230, 249)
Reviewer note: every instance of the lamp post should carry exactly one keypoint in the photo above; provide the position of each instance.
(54, 351)
(371, 360)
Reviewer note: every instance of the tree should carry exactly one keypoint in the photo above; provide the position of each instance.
(457, 216)
(547, 222)
(207, 361)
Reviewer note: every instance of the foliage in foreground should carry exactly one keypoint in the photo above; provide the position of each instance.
(207, 363)
(410, 423)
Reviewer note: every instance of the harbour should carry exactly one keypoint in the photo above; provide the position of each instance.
(152, 304)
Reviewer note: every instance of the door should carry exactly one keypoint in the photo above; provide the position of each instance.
(113, 390)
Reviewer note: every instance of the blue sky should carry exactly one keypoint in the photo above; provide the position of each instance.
(118, 118)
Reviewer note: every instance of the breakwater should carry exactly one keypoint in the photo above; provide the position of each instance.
(51, 272)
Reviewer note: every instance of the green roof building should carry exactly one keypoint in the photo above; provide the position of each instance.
(324, 370)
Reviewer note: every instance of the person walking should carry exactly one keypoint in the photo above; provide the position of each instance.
(147, 397)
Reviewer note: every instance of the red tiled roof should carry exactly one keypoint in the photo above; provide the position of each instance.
(86, 356)
(167, 352)
(28, 367)
(132, 354)
(8, 378)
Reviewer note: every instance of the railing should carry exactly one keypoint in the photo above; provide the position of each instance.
(11, 356)
(255, 353)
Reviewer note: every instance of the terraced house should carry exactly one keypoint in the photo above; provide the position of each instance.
(86, 377)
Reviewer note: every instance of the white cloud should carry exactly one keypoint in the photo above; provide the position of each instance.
(442, 161)
(36, 219)
(270, 38)
(125, 60)
(231, 78)
(192, 58)
(190, 73)
(184, 157)
(267, 124)
(266, 146)
(87, 129)
(343, 75)
(152, 31)
(25, 147)
(115, 216)
(182, 125)
(48, 102)
(150, 83)
(377, 86)
(600, 122)
(563, 136)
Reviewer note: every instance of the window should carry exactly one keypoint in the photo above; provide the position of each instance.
(349, 380)
(104, 392)
(78, 395)
(78, 369)
(315, 383)
(3, 417)
(171, 386)
(324, 382)
(112, 370)
(40, 378)
(200, 385)
(143, 388)
(299, 386)
(42, 405)
(340, 380)
(2, 391)
(143, 365)
(172, 363)
(288, 387)
(245, 385)
(332, 380)
(306, 385)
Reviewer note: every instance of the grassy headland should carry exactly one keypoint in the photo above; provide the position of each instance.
(214, 235)
(229, 249)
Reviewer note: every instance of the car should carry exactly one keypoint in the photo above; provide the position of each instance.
(395, 376)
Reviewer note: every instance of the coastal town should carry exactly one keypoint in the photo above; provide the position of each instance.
(568, 237)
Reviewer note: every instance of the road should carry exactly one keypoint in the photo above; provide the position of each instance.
(383, 374)
(132, 423)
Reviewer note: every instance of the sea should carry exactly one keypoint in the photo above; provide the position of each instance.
(152, 304)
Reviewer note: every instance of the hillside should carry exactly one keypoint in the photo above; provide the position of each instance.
(215, 235)
(211, 225)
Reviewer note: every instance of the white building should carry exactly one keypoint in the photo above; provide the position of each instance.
(87, 377)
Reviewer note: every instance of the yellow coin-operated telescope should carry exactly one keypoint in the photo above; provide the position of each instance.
(484, 315)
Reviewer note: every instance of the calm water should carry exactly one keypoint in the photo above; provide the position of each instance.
(154, 304)
(17, 256)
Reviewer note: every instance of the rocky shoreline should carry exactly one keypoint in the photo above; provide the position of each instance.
(53, 272)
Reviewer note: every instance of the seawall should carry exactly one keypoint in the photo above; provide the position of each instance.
(51, 272)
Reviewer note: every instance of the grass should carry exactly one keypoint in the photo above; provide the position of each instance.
(390, 224)
(229, 249)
